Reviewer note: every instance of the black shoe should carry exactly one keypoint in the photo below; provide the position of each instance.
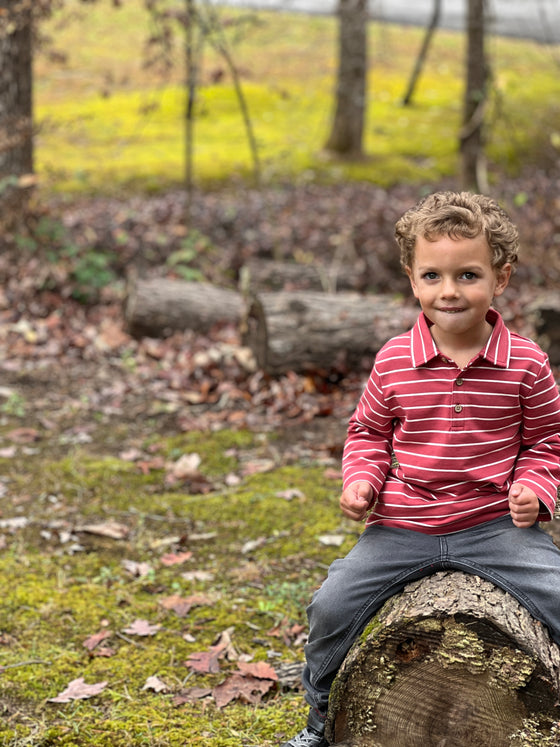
(308, 737)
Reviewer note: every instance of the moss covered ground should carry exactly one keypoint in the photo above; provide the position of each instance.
(97, 532)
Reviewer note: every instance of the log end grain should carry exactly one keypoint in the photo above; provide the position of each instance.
(451, 672)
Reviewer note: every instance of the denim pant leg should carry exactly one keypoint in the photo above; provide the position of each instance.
(381, 563)
(523, 562)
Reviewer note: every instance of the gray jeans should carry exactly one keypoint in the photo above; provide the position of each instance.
(523, 562)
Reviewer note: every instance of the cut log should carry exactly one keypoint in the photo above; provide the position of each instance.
(159, 307)
(544, 313)
(454, 661)
(286, 331)
(298, 331)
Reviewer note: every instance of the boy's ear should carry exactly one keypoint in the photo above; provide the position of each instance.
(410, 274)
(502, 278)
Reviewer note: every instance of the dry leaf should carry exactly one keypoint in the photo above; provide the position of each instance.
(185, 467)
(239, 687)
(290, 494)
(259, 669)
(175, 558)
(142, 628)
(78, 690)
(155, 684)
(205, 662)
(23, 435)
(332, 540)
(109, 529)
(191, 694)
(94, 640)
(137, 569)
(180, 606)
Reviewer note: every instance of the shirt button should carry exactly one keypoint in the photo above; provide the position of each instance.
(458, 408)
(459, 382)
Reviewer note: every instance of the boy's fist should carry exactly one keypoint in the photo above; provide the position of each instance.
(523, 505)
(356, 500)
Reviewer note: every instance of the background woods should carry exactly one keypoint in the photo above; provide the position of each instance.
(167, 504)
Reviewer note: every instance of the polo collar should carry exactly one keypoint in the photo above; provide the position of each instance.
(496, 351)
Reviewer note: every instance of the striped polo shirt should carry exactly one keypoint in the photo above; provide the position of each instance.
(441, 446)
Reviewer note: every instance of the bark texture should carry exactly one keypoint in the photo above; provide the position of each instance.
(16, 113)
(544, 314)
(286, 331)
(157, 308)
(455, 661)
(348, 122)
(473, 159)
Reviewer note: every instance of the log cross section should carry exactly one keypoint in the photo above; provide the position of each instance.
(452, 661)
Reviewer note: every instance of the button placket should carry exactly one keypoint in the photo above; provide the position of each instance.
(457, 407)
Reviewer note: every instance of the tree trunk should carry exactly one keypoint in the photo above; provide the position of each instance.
(419, 64)
(473, 160)
(348, 122)
(16, 116)
(453, 660)
(287, 331)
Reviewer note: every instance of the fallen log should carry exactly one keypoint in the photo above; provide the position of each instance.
(286, 331)
(544, 313)
(159, 307)
(305, 330)
(453, 660)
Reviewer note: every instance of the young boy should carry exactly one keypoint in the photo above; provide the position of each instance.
(453, 453)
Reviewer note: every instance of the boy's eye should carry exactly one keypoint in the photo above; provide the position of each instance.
(430, 275)
(469, 275)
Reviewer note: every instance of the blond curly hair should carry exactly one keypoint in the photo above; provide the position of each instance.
(459, 215)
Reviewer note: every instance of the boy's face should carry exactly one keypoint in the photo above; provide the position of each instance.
(455, 283)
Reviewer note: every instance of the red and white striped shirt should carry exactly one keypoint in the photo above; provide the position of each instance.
(442, 446)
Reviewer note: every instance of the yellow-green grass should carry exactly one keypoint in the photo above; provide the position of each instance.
(129, 133)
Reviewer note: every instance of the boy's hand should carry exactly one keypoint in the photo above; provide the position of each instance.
(356, 500)
(523, 505)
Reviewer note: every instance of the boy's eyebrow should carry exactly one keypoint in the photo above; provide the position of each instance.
(461, 268)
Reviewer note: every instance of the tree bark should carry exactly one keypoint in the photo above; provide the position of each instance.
(419, 64)
(287, 331)
(294, 331)
(453, 660)
(157, 308)
(16, 115)
(348, 123)
(471, 137)
(544, 315)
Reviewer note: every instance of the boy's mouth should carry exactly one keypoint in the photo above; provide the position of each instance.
(451, 310)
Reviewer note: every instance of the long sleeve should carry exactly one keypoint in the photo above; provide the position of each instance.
(538, 464)
(367, 451)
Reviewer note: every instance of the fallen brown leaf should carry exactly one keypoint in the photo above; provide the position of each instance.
(78, 690)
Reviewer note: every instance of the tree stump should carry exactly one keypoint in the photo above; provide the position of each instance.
(452, 661)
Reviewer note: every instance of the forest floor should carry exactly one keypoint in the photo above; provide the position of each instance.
(166, 510)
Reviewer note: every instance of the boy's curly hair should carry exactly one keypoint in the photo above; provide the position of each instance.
(458, 215)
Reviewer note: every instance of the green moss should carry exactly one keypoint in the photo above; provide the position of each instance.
(263, 554)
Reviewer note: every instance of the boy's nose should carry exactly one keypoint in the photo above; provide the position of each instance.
(448, 289)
